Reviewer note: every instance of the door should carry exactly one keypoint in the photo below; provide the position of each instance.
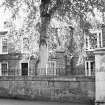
(24, 67)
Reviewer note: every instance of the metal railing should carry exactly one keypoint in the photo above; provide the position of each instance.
(36, 74)
(33, 72)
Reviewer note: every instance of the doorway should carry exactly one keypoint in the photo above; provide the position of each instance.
(24, 67)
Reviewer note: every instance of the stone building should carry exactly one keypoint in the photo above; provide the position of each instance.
(20, 63)
(92, 42)
(12, 62)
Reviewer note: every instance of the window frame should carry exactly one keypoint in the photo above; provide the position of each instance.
(98, 32)
(21, 67)
(2, 45)
(1, 68)
(88, 70)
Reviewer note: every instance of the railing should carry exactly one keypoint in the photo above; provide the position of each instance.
(92, 72)
(34, 72)
(38, 74)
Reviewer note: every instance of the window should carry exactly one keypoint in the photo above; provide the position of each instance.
(89, 68)
(91, 42)
(86, 43)
(100, 40)
(96, 39)
(4, 46)
(4, 69)
(92, 67)
(24, 68)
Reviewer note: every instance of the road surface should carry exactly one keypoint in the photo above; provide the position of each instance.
(25, 102)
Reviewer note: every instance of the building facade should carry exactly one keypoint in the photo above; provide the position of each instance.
(93, 41)
(21, 63)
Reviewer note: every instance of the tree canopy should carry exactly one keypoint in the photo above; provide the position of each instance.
(39, 14)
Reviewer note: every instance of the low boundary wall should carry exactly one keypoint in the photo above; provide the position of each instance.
(77, 89)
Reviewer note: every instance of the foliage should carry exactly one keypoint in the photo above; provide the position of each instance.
(39, 15)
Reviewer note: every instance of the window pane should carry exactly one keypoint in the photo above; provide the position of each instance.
(4, 49)
(24, 67)
(86, 43)
(87, 65)
(5, 42)
(94, 41)
(100, 39)
(4, 45)
(4, 69)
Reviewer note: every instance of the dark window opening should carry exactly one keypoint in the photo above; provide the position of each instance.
(92, 66)
(100, 40)
(87, 65)
(24, 68)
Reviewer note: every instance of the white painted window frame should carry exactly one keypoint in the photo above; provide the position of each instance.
(88, 72)
(97, 32)
(3, 38)
(87, 43)
(4, 62)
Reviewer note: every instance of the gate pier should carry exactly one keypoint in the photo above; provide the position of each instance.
(100, 76)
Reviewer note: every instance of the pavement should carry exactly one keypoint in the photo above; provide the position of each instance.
(25, 102)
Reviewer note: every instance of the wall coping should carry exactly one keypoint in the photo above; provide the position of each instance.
(46, 78)
(99, 50)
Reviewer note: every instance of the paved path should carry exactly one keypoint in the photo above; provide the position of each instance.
(25, 102)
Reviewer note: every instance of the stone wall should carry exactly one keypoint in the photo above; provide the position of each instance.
(47, 88)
